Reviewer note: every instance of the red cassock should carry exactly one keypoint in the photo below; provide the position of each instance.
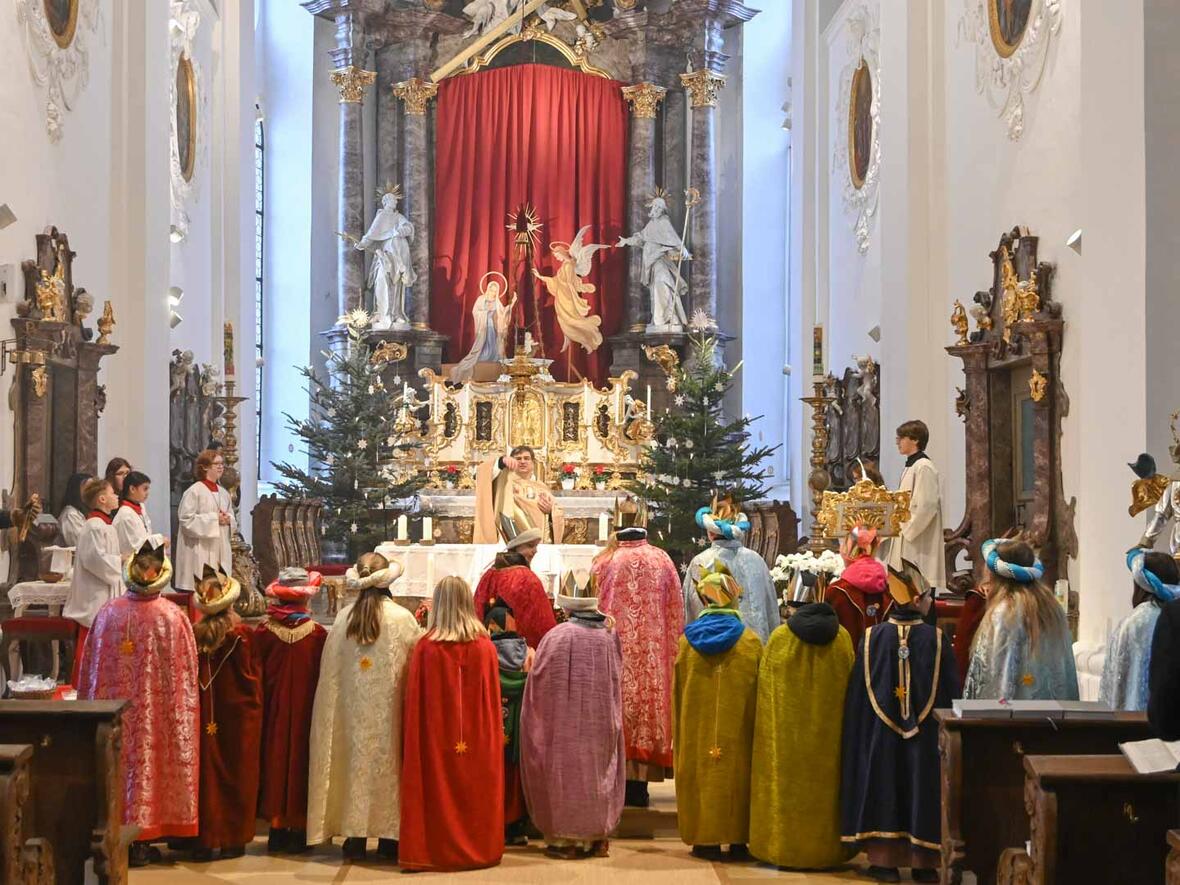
(452, 787)
(289, 659)
(974, 607)
(141, 648)
(520, 587)
(230, 686)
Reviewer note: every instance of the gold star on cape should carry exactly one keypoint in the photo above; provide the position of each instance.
(1028, 679)
(461, 748)
(366, 663)
(126, 647)
(900, 692)
(715, 754)
(211, 728)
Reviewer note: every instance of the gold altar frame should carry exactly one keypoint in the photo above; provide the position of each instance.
(867, 504)
(532, 34)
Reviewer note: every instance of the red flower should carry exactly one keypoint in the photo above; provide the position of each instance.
(599, 469)
(452, 469)
(568, 469)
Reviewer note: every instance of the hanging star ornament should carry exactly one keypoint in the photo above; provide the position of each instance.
(715, 753)
(211, 728)
(461, 748)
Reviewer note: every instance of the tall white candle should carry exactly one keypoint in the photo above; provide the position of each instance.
(427, 528)
(603, 526)
(649, 400)
(403, 528)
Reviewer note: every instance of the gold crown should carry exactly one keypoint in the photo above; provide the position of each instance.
(630, 513)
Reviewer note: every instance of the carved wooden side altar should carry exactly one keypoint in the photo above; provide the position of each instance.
(1013, 403)
(854, 421)
(56, 397)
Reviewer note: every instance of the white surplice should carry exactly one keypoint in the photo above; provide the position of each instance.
(200, 540)
(70, 524)
(921, 541)
(132, 528)
(354, 785)
(98, 572)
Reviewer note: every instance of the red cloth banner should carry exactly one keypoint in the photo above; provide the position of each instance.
(551, 137)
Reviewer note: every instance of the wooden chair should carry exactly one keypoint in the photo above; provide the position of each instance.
(58, 635)
(24, 859)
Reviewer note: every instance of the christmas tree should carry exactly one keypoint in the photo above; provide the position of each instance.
(698, 449)
(360, 442)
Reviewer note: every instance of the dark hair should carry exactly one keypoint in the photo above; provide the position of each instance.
(917, 431)
(364, 621)
(508, 559)
(132, 479)
(1162, 566)
(114, 466)
(91, 489)
(516, 450)
(1016, 552)
(73, 493)
(1031, 604)
(868, 470)
(212, 630)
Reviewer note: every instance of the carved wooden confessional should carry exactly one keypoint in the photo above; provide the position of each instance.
(1013, 403)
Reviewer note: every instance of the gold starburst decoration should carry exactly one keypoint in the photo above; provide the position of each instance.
(507, 740)
(211, 728)
(1028, 679)
(390, 188)
(126, 647)
(461, 748)
(715, 753)
(900, 692)
(366, 663)
(658, 194)
(525, 226)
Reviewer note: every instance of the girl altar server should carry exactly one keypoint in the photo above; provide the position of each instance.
(72, 517)
(356, 721)
(132, 523)
(206, 523)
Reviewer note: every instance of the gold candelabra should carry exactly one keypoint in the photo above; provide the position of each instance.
(819, 479)
(245, 567)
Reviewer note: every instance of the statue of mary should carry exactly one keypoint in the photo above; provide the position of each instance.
(492, 319)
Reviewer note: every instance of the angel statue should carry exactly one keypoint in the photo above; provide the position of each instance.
(486, 14)
(567, 287)
(389, 238)
(492, 320)
(662, 250)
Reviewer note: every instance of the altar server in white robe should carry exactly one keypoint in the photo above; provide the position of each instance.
(98, 567)
(920, 541)
(132, 523)
(356, 722)
(72, 517)
(206, 517)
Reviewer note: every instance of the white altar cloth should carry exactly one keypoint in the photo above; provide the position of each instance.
(426, 566)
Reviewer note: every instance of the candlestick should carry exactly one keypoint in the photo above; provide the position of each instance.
(427, 528)
(227, 342)
(649, 399)
(603, 527)
(403, 528)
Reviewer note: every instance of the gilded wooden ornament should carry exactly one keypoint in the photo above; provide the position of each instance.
(959, 322)
(667, 359)
(106, 324)
(703, 87)
(40, 381)
(867, 504)
(1038, 384)
(644, 99)
(352, 82)
(388, 352)
(1146, 493)
(416, 93)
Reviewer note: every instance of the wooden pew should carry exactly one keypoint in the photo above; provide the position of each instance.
(983, 779)
(77, 782)
(22, 859)
(1093, 819)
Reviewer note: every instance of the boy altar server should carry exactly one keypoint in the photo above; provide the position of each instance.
(572, 756)
(715, 701)
(640, 588)
(98, 567)
(142, 649)
(131, 520)
(290, 645)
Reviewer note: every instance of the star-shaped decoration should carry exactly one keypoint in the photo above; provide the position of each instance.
(900, 692)
(211, 728)
(679, 399)
(1028, 679)
(126, 647)
(719, 387)
(366, 663)
(362, 444)
(391, 441)
(353, 528)
(701, 321)
(715, 753)
(461, 748)
(507, 740)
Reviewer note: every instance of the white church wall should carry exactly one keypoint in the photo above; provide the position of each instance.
(325, 202)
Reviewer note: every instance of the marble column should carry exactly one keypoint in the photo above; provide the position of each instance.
(416, 94)
(350, 264)
(644, 100)
(703, 87)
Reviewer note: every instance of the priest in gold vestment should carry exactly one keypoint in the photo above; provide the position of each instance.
(508, 500)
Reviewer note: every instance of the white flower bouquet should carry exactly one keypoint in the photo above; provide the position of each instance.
(789, 571)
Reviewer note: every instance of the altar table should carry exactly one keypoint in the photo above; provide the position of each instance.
(27, 593)
(425, 566)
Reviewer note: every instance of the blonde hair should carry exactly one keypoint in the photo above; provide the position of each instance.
(91, 489)
(452, 613)
(1032, 604)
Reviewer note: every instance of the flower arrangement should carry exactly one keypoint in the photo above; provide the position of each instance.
(452, 471)
(789, 570)
(599, 471)
(568, 469)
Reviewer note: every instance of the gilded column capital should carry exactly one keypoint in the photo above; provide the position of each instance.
(644, 99)
(416, 93)
(352, 82)
(703, 87)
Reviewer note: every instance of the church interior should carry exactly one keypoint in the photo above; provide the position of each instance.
(583, 440)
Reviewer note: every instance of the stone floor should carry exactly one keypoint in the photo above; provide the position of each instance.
(646, 850)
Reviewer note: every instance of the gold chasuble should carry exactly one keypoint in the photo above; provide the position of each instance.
(507, 496)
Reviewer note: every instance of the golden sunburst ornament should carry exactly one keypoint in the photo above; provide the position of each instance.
(211, 728)
(525, 225)
(390, 188)
(461, 748)
(715, 753)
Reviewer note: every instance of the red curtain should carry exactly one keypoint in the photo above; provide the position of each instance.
(548, 136)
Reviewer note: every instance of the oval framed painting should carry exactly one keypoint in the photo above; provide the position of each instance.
(860, 124)
(62, 18)
(1008, 20)
(186, 116)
